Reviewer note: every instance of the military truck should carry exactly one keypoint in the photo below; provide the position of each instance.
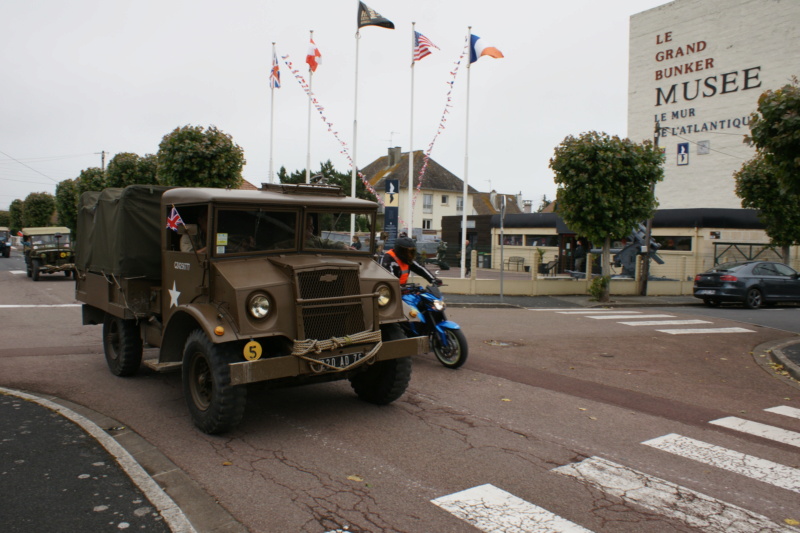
(5, 241)
(47, 250)
(236, 287)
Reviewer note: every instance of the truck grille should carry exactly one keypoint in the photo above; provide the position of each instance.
(342, 315)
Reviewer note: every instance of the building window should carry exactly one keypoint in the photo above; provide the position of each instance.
(445, 199)
(427, 203)
(510, 240)
(426, 223)
(459, 203)
(680, 243)
(541, 240)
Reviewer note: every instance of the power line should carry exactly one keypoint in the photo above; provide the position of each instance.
(28, 167)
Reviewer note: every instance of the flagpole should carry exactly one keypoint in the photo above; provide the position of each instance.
(464, 257)
(410, 210)
(355, 141)
(271, 121)
(308, 140)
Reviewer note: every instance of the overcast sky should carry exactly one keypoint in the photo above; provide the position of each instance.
(82, 77)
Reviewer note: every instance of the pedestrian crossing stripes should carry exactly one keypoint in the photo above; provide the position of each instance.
(489, 508)
(638, 319)
(776, 474)
(761, 430)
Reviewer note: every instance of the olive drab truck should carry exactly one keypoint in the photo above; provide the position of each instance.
(237, 287)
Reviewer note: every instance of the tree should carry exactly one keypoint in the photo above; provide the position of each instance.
(90, 179)
(606, 186)
(755, 185)
(775, 132)
(545, 203)
(193, 157)
(5, 218)
(67, 204)
(127, 168)
(15, 209)
(38, 210)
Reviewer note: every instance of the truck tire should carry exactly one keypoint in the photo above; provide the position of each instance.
(122, 346)
(35, 270)
(216, 406)
(385, 381)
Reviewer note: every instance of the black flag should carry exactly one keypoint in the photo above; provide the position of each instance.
(370, 17)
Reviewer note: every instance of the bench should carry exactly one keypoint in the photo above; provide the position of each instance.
(549, 268)
(517, 261)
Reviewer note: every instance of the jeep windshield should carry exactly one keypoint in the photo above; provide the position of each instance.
(250, 231)
(51, 241)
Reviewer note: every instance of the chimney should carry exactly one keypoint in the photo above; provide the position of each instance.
(394, 156)
(493, 199)
(527, 206)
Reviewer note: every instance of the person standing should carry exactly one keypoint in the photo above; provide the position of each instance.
(468, 260)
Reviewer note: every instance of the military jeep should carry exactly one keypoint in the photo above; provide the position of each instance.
(236, 287)
(5, 241)
(47, 250)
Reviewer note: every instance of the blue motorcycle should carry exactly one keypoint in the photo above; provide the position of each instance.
(425, 312)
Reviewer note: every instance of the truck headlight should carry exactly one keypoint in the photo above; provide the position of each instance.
(439, 305)
(384, 295)
(259, 306)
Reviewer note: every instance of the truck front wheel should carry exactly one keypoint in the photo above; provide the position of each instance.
(385, 381)
(122, 346)
(35, 270)
(216, 406)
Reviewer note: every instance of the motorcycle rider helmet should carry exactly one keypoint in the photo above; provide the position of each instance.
(406, 249)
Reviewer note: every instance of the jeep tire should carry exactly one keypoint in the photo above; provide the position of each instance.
(122, 346)
(385, 381)
(35, 269)
(216, 406)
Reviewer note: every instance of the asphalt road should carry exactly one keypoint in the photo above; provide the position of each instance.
(605, 419)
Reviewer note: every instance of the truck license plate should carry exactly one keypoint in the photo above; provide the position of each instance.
(341, 361)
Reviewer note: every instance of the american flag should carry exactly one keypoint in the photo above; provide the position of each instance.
(174, 219)
(275, 74)
(422, 46)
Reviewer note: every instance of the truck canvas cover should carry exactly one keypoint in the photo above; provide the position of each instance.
(119, 231)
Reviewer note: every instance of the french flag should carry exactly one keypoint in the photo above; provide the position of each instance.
(479, 47)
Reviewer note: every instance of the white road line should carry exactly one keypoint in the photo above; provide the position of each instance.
(574, 311)
(666, 323)
(785, 411)
(26, 306)
(17, 272)
(618, 317)
(692, 508)
(698, 331)
(600, 311)
(494, 510)
(753, 467)
(785, 436)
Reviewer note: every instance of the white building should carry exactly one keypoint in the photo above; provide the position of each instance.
(697, 68)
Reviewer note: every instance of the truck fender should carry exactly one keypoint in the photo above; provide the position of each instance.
(188, 318)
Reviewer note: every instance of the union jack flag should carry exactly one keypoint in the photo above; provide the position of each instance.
(275, 73)
(174, 219)
(422, 46)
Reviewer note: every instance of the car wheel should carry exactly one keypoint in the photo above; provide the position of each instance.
(216, 406)
(35, 270)
(122, 346)
(711, 302)
(754, 299)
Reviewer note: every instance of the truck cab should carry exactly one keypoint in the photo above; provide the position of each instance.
(237, 287)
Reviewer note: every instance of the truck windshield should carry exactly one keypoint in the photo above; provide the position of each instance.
(50, 240)
(326, 230)
(254, 230)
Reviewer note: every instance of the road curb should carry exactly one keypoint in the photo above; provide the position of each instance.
(774, 353)
(185, 505)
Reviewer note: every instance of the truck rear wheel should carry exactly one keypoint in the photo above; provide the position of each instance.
(122, 346)
(385, 381)
(216, 406)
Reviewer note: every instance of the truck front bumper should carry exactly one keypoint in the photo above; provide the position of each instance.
(290, 366)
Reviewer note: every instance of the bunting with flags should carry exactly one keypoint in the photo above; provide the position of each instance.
(369, 17)
(275, 73)
(314, 56)
(479, 48)
(422, 46)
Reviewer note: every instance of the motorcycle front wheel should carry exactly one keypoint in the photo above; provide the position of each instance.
(453, 353)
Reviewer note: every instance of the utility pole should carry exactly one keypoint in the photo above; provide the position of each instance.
(649, 227)
(102, 160)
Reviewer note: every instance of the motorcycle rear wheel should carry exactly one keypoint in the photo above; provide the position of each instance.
(455, 352)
